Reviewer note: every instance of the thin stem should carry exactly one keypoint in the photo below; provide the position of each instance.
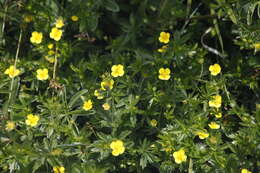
(55, 64)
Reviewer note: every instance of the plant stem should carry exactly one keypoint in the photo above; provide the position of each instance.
(55, 64)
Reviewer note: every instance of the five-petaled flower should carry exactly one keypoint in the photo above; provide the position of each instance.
(164, 73)
(58, 169)
(180, 156)
(117, 147)
(36, 37)
(87, 105)
(56, 34)
(106, 106)
(32, 120)
(117, 70)
(214, 125)
(215, 69)
(164, 37)
(216, 101)
(153, 123)
(74, 18)
(42, 74)
(10, 125)
(245, 171)
(59, 23)
(12, 71)
(202, 135)
(107, 84)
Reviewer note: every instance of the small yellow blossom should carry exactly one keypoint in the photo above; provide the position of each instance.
(74, 18)
(56, 34)
(117, 70)
(32, 120)
(215, 69)
(107, 84)
(257, 46)
(58, 169)
(98, 94)
(106, 106)
(87, 105)
(218, 115)
(153, 123)
(164, 37)
(42, 74)
(59, 23)
(36, 37)
(202, 135)
(164, 73)
(51, 59)
(117, 147)
(245, 171)
(180, 156)
(162, 49)
(216, 101)
(214, 125)
(10, 125)
(12, 71)
(50, 46)
(28, 18)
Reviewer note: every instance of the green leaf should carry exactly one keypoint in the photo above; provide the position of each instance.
(111, 5)
(75, 97)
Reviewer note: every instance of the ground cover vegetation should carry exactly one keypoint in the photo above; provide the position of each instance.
(109, 86)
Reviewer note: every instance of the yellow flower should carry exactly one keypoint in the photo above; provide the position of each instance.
(12, 71)
(164, 37)
(117, 147)
(216, 101)
(74, 18)
(50, 46)
(257, 46)
(107, 84)
(10, 125)
(180, 156)
(202, 135)
(164, 73)
(59, 23)
(218, 115)
(56, 34)
(117, 70)
(50, 59)
(32, 120)
(28, 18)
(87, 105)
(36, 37)
(245, 171)
(153, 123)
(58, 169)
(98, 94)
(162, 49)
(42, 74)
(214, 125)
(214, 69)
(106, 106)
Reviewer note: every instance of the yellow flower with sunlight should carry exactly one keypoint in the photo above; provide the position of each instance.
(180, 156)
(202, 135)
(214, 125)
(218, 115)
(12, 71)
(117, 70)
(162, 49)
(117, 147)
(27, 18)
(257, 46)
(216, 101)
(164, 73)
(164, 37)
(36, 37)
(106, 106)
(50, 46)
(58, 169)
(42, 74)
(107, 84)
(10, 125)
(153, 123)
(74, 18)
(245, 171)
(87, 105)
(51, 59)
(56, 34)
(215, 69)
(59, 23)
(32, 120)
(98, 94)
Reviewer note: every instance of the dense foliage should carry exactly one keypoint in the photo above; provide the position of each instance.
(102, 86)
